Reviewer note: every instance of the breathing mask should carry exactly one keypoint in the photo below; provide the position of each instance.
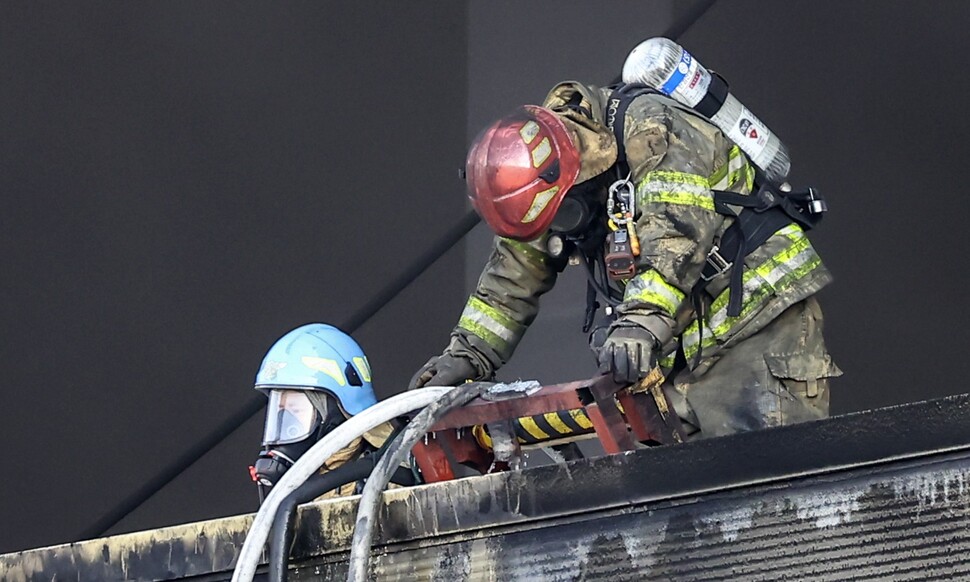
(579, 221)
(295, 421)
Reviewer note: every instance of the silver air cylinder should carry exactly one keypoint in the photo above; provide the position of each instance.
(664, 65)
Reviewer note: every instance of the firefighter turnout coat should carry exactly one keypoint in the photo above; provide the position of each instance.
(767, 366)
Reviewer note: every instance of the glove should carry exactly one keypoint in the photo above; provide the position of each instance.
(444, 370)
(628, 352)
(466, 358)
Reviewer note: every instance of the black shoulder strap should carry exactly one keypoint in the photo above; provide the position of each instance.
(619, 101)
(762, 215)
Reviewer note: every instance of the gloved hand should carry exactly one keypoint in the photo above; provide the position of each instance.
(445, 370)
(628, 352)
(467, 357)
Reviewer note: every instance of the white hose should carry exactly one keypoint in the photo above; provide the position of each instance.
(394, 454)
(313, 459)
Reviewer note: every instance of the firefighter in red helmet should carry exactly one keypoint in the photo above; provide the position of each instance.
(632, 184)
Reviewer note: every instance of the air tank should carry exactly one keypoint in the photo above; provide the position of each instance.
(664, 65)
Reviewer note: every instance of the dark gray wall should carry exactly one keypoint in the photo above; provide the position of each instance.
(870, 98)
(182, 184)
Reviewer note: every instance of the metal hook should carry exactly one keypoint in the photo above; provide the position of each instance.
(621, 193)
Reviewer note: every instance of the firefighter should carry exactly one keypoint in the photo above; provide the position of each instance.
(646, 195)
(314, 377)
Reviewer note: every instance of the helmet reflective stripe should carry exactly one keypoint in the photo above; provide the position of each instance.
(363, 368)
(539, 204)
(541, 152)
(529, 132)
(327, 366)
(317, 356)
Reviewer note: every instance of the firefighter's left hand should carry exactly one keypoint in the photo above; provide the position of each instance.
(628, 352)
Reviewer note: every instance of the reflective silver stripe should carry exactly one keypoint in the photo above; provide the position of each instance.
(489, 323)
(727, 175)
(789, 265)
(691, 336)
(662, 186)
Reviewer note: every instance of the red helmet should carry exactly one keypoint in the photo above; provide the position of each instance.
(518, 171)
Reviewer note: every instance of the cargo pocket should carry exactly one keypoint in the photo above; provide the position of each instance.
(806, 378)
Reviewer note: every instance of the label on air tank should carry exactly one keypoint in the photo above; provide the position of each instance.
(749, 133)
(688, 82)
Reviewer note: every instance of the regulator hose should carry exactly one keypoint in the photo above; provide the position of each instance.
(315, 486)
(395, 454)
(314, 458)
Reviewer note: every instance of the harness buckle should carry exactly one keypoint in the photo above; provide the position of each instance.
(720, 264)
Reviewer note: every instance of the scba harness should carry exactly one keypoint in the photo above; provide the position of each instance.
(757, 216)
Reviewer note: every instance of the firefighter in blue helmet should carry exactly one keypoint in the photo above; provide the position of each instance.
(314, 377)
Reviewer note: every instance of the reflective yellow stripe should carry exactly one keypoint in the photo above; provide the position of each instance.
(720, 173)
(558, 425)
(748, 174)
(579, 415)
(490, 324)
(539, 204)
(363, 366)
(662, 186)
(729, 174)
(789, 265)
(650, 287)
(681, 199)
(808, 262)
(532, 428)
(691, 336)
(509, 325)
(530, 251)
(676, 178)
(327, 366)
(496, 342)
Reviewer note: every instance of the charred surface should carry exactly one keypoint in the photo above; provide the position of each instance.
(875, 494)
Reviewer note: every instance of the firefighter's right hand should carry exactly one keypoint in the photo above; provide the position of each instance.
(445, 370)
(628, 353)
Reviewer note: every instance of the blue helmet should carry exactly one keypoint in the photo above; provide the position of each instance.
(318, 356)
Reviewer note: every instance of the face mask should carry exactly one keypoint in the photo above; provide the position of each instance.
(579, 220)
(295, 421)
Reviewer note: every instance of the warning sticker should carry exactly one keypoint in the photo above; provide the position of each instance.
(749, 133)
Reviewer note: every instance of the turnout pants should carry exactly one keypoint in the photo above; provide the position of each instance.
(777, 376)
